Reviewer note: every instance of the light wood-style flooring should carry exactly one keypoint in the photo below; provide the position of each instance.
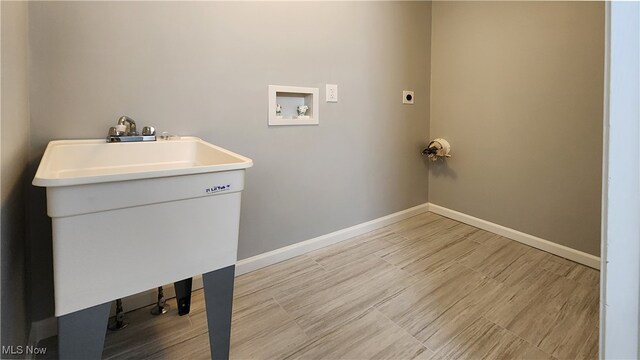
(425, 288)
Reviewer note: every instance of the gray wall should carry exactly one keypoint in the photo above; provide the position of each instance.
(517, 88)
(523, 76)
(203, 68)
(14, 150)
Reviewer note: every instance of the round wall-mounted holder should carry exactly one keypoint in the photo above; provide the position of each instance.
(437, 149)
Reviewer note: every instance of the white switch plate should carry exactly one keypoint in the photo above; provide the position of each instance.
(332, 93)
(407, 97)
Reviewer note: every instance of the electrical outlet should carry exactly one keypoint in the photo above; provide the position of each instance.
(407, 97)
(332, 93)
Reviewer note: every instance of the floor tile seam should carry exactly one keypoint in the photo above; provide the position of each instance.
(415, 239)
(379, 299)
(518, 257)
(585, 284)
(506, 267)
(404, 243)
(326, 252)
(452, 337)
(558, 318)
(253, 309)
(416, 279)
(479, 230)
(532, 304)
(389, 245)
(444, 284)
(445, 234)
(314, 340)
(580, 266)
(464, 254)
(342, 291)
(362, 276)
(402, 328)
(418, 233)
(564, 274)
(292, 318)
(205, 313)
(381, 236)
(399, 248)
(143, 345)
(315, 261)
(447, 230)
(395, 247)
(475, 241)
(269, 289)
(373, 253)
(540, 293)
(151, 355)
(420, 259)
(517, 336)
(483, 275)
(561, 343)
(208, 348)
(578, 283)
(389, 298)
(360, 273)
(477, 312)
(404, 237)
(121, 352)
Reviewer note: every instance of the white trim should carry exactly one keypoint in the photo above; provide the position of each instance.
(620, 301)
(536, 242)
(275, 256)
(269, 258)
(259, 261)
(605, 180)
(46, 328)
(43, 329)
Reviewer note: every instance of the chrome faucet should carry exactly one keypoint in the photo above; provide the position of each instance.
(125, 131)
(130, 125)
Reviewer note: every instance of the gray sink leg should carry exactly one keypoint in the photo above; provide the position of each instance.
(81, 333)
(183, 295)
(218, 296)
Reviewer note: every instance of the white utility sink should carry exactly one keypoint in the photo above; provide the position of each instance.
(128, 217)
(74, 162)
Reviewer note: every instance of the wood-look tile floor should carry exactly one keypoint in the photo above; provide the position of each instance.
(424, 288)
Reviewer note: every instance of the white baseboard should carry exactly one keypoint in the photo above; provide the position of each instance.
(43, 329)
(533, 241)
(259, 261)
(269, 258)
(48, 327)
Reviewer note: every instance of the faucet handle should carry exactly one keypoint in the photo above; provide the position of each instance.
(148, 131)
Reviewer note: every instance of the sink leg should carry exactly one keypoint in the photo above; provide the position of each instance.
(81, 333)
(183, 295)
(218, 295)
